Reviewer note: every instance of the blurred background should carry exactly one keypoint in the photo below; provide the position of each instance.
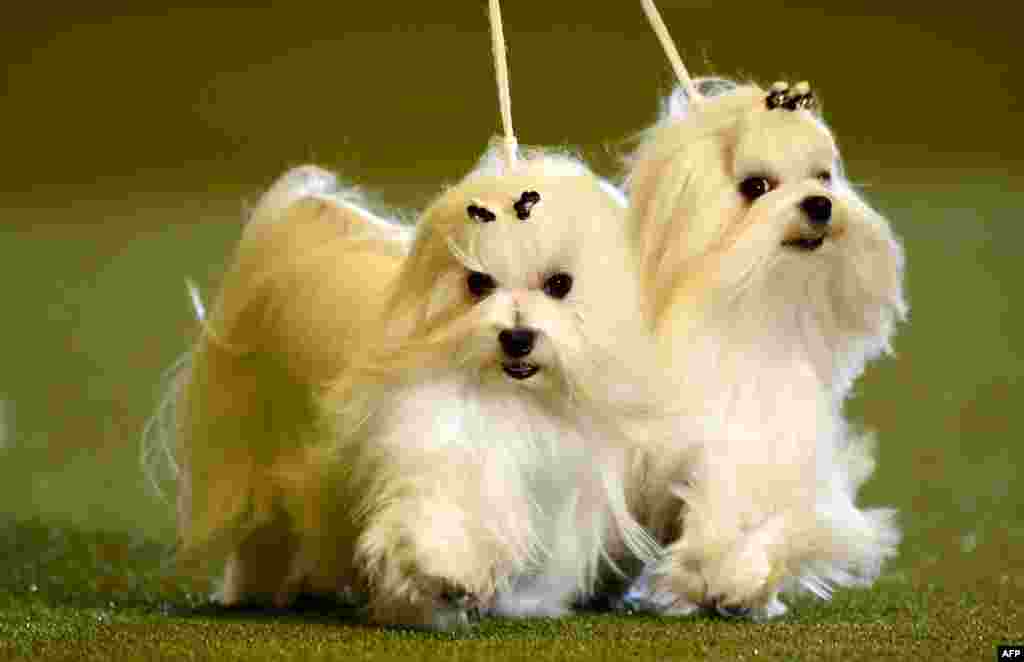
(133, 134)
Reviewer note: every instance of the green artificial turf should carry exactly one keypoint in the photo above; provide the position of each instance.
(114, 597)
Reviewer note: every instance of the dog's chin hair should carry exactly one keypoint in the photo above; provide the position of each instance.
(824, 306)
(802, 317)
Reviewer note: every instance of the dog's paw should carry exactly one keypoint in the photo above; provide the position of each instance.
(677, 584)
(423, 616)
(421, 579)
(743, 583)
(667, 590)
(405, 592)
(427, 602)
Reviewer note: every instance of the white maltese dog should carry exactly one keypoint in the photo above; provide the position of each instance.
(473, 454)
(482, 381)
(770, 284)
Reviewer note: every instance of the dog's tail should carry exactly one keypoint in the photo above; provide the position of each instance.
(240, 410)
(351, 216)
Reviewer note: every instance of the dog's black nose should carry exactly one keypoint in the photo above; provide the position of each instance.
(517, 342)
(818, 209)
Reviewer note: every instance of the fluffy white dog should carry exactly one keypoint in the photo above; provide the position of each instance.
(473, 454)
(770, 284)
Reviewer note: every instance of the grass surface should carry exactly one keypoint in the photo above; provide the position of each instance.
(113, 597)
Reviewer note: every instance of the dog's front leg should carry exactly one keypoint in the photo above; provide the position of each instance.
(428, 561)
(719, 563)
(442, 510)
(446, 520)
(731, 558)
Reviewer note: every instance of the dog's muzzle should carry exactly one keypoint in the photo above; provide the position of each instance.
(516, 344)
(817, 211)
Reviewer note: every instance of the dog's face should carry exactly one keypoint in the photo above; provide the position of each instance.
(745, 207)
(525, 277)
(778, 156)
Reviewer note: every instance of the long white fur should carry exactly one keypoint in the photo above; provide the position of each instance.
(757, 494)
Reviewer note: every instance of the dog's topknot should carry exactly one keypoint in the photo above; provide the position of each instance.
(795, 98)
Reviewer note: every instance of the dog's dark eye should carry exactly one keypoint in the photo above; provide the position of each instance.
(825, 177)
(753, 188)
(480, 284)
(558, 285)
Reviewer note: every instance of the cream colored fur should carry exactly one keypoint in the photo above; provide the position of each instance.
(346, 425)
(757, 492)
(310, 271)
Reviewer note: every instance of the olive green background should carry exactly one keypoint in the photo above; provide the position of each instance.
(132, 134)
